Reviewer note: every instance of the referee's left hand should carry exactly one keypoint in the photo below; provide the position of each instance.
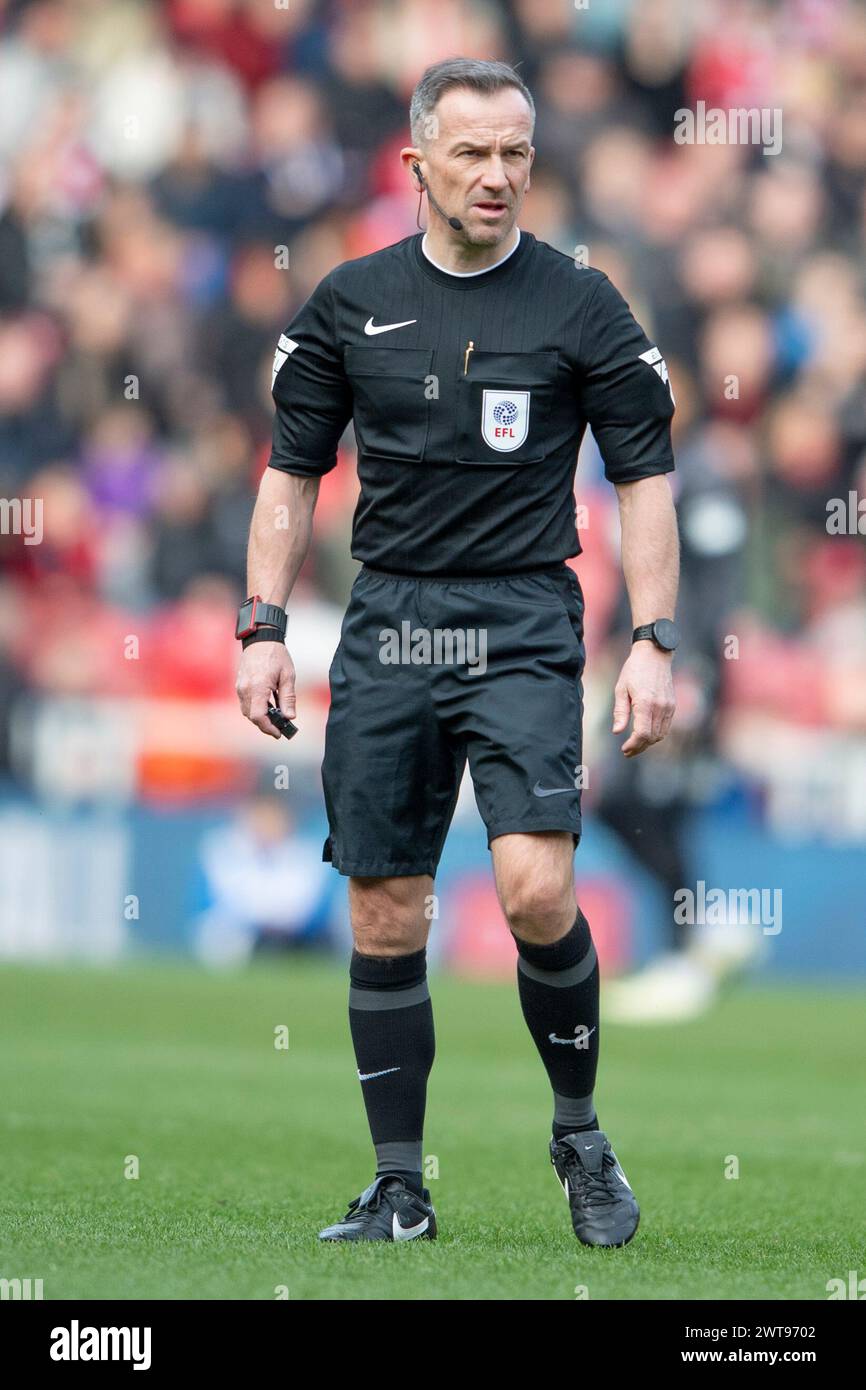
(645, 689)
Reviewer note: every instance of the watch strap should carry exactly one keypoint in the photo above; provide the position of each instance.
(270, 615)
(263, 634)
(663, 632)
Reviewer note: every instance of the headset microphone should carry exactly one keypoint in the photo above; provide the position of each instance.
(453, 222)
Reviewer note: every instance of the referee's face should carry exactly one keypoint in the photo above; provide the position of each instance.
(478, 164)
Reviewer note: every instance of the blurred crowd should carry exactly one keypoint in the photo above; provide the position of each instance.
(176, 177)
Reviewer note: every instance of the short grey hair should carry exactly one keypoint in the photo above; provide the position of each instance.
(477, 74)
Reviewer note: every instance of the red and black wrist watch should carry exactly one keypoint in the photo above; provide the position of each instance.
(261, 622)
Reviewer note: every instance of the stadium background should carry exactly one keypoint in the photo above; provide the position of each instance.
(155, 161)
(174, 180)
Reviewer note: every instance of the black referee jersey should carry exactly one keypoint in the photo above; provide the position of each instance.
(469, 397)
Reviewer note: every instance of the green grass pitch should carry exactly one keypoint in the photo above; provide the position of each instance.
(245, 1150)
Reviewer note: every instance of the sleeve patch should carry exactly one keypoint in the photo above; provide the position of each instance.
(654, 359)
(285, 346)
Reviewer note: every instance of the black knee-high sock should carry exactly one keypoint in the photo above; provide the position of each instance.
(558, 986)
(391, 1019)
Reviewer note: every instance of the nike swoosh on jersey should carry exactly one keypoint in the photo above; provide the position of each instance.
(370, 328)
(408, 1232)
(368, 1075)
(539, 790)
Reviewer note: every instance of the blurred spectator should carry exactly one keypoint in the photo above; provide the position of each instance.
(265, 887)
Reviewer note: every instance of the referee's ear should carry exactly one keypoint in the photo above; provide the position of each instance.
(411, 158)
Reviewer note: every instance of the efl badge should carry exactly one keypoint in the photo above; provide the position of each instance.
(505, 419)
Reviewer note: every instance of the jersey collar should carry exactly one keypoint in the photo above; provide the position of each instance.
(472, 282)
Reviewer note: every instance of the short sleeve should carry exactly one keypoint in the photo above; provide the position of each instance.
(311, 392)
(623, 389)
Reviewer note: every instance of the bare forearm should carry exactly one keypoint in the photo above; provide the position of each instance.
(651, 565)
(650, 548)
(280, 534)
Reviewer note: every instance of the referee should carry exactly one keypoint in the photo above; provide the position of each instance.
(471, 360)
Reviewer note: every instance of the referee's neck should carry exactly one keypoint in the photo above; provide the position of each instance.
(450, 255)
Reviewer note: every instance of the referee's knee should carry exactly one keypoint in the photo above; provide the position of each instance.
(388, 914)
(539, 912)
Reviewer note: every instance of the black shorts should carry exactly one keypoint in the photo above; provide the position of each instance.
(430, 672)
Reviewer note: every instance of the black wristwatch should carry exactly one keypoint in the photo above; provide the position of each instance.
(261, 622)
(663, 632)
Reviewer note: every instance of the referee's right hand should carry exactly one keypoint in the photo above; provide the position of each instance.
(266, 675)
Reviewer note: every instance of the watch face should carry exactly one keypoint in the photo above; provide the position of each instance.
(666, 634)
(245, 618)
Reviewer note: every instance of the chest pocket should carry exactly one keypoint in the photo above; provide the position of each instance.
(504, 403)
(391, 405)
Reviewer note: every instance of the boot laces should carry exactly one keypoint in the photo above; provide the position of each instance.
(357, 1212)
(595, 1189)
